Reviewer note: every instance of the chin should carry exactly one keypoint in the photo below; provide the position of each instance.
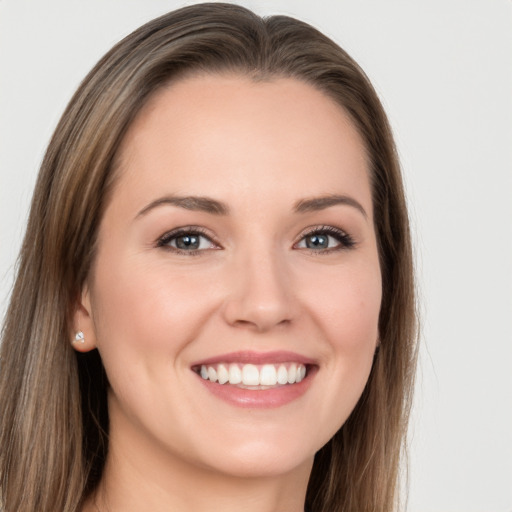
(263, 465)
(260, 457)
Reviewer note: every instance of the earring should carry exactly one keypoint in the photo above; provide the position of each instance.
(79, 337)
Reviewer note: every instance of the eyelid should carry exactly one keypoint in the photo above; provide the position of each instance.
(164, 239)
(346, 241)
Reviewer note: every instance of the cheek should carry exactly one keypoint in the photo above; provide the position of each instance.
(144, 314)
(359, 314)
(348, 314)
(349, 307)
(145, 317)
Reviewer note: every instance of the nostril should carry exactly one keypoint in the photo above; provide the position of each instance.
(260, 324)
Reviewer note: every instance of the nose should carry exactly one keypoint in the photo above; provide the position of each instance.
(261, 293)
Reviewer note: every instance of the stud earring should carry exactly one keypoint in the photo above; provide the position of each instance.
(79, 337)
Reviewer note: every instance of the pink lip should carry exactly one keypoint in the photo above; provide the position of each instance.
(250, 357)
(259, 398)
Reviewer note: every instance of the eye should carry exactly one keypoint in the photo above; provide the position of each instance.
(186, 240)
(325, 239)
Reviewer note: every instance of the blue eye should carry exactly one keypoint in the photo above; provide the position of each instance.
(325, 239)
(320, 241)
(186, 240)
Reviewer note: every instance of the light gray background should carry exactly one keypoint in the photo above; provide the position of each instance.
(444, 71)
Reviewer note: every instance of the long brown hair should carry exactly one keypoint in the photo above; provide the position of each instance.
(54, 418)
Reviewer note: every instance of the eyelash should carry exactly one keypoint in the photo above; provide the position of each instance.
(344, 239)
(165, 239)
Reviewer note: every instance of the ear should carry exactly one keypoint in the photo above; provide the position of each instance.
(83, 337)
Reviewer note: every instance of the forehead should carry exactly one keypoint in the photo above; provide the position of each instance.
(231, 135)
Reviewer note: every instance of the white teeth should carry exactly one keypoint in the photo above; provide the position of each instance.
(235, 374)
(282, 375)
(251, 375)
(222, 374)
(301, 373)
(292, 373)
(268, 375)
(212, 374)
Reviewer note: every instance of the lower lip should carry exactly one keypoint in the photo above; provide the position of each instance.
(260, 398)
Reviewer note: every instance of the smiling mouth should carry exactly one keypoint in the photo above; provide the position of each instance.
(253, 376)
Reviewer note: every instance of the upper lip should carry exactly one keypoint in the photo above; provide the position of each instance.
(251, 357)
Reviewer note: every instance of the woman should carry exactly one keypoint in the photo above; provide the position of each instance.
(214, 306)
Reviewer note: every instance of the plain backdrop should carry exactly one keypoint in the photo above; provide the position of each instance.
(443, 69)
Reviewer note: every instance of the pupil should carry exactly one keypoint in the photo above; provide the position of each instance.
(187, 242)
(317, 242)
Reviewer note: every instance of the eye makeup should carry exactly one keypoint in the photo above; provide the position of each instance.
(324, 240)
(187, 240)
(192, 240)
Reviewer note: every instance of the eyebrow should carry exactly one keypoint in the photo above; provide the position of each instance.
(212, 206)
(195, 203)
(323, 202)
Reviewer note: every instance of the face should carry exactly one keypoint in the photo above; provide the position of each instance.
(236, 289)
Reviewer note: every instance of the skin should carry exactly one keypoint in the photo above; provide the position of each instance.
(152, 312)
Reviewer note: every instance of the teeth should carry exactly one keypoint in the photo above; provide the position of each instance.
(235, 374)
(301, 373)
(222, 374)
(282, 375)
(212, 374)
(266, 375)
(250, 375)
(292, 373)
